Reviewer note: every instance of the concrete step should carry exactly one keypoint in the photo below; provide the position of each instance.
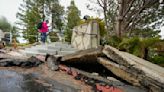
(59, 44)
(31, 53)
(61, 48)
(65, 52)
(40, 46)
(41, 50)
(52, 52)
(56, 48)
(68, 49)
(31, 49)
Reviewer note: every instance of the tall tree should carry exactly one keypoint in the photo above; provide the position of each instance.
(109, 8)
(73, 19)
(131, 14)
(31, 12)
(137, 14)
(5, 25)
(73, 16)
(14, 32)
(57, 15)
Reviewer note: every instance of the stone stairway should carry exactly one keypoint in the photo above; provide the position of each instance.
(55, 48)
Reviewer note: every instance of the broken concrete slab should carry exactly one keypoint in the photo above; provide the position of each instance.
(22, 62)
(85, 56)
(62, 53)
(93, 80)
(15, 53)
(15, 81)
(68, 49)
(125, 66)
(9, 56)
(119, 70)
(136, 69)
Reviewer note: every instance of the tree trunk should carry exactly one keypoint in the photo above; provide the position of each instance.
(146, 53)
(120, 19)
(106, 23)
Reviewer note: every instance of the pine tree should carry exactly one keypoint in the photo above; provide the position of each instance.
(5, 25)
(31, 12)
(73, 19)
(57, 15)
(73, 15)
(29, 15)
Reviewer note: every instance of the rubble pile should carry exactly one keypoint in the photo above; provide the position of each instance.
(86, 65)
(127, 67)
(132, 69)
(99, 83)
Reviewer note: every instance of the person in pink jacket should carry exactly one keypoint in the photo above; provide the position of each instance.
(43, 31)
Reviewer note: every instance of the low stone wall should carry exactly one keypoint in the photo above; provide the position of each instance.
(86, 36)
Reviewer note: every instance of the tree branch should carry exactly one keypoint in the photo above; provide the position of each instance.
(128, 9)
(145, 5)
(100, 4)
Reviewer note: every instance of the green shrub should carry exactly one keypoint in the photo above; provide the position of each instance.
(113, 41)
(137, 46)
(131, 45)
(158, 59)
(53, 36)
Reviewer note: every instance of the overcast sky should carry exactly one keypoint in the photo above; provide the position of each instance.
(9, 8)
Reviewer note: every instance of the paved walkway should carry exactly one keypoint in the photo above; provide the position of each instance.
(55, 48)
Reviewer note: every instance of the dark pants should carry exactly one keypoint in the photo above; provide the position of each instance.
(43, 37)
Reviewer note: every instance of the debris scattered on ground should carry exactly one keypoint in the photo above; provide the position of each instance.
(9, 61)
(95, 74)
(132, 69)
(52, 62)
(15, 54)
(99, 83)
(125, 66)
(141, 74)
(13, 80)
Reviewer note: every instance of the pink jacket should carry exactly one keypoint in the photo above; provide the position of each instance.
(44, 28)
